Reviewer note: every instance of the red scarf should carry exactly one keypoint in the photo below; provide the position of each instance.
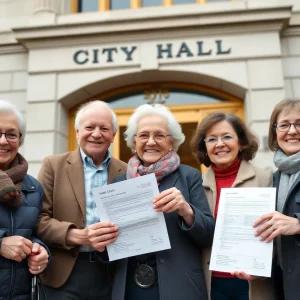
(224, 179)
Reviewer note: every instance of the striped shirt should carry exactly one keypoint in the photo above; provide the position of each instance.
(93, 177)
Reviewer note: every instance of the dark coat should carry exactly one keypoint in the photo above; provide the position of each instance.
(15, 279)
(290, 244)
(180, 274)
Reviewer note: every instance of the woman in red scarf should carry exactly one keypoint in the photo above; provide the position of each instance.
(223, 143)
(154, 136)
(21, 254)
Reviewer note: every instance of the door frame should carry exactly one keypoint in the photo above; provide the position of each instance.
(183, 113)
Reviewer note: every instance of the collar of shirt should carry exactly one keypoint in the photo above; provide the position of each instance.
(88, 162)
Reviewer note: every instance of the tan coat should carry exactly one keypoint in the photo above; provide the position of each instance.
(64, 206)
(248, 176)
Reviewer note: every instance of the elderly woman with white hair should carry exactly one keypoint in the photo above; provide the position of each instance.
(154, 135)
(21, 254)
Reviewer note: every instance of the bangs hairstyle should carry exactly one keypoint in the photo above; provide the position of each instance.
(283, 106)
(9, 108)
(147, 110)
(247, 140)
(96, 103)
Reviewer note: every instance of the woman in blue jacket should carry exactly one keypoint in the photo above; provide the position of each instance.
(21, 254)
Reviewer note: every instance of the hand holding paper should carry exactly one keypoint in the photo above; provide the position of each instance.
(102, 234)
(235, 245)
(275, 224)
(171, 200)
(129, 205)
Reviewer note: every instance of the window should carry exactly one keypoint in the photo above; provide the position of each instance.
(119, 4)
(87, 5)
(157, 94)
(146, 3)
(104, 5)
(183, 1)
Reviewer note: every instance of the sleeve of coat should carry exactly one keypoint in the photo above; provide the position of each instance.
(34, 239)
(50, 230)
(202, 230)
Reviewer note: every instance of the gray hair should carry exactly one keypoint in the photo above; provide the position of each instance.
(154, 110)
(98, 103)
(5, 106)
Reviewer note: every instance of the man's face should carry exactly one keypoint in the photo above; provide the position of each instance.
(95, 133)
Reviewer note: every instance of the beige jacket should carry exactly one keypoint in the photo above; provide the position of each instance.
(62, 177)
(248, 176)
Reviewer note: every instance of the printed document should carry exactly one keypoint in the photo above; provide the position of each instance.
(235, 246)
(129, 205)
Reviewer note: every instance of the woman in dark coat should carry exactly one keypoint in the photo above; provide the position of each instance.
(284, 224)
(154, 135)
(21, 254)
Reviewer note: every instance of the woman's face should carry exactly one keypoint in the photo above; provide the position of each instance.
(159, 143)
(288, 141)
(8, 150)
(222, 144)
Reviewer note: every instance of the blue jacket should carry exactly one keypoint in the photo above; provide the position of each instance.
(15, 279)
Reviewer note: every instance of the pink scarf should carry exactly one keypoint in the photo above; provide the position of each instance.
(162, 168)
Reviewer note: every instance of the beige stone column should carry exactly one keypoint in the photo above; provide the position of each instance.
(45, 12)
(50, 6)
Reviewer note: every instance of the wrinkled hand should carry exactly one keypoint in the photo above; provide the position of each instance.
(243, 275)
(101, 234)
(15, 248)
(11, 195)
(275, 224)
(171, 200)
(38, 259)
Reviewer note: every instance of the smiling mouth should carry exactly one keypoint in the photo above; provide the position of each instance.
(292, 140)
(4, 150)
(96, 143)
(222, 153)
(151, 151)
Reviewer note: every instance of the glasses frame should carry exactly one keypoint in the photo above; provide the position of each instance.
(290, 124)
(153, 136)
(219, 138)
(9, 140)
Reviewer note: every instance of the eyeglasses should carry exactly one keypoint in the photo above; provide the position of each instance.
(212, 140)
(11, 136)
(285, 126)
(157, 137)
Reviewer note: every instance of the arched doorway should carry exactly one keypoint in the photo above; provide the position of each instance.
(190, 103)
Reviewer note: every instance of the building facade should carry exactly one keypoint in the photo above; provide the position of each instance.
(196, 56)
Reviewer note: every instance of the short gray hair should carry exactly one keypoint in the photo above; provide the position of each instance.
(5, 106)
(154, 110)
(98, 103)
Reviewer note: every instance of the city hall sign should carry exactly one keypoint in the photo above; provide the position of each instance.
(166, 51)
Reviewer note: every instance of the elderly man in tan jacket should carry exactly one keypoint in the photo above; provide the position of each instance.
(69, 223)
